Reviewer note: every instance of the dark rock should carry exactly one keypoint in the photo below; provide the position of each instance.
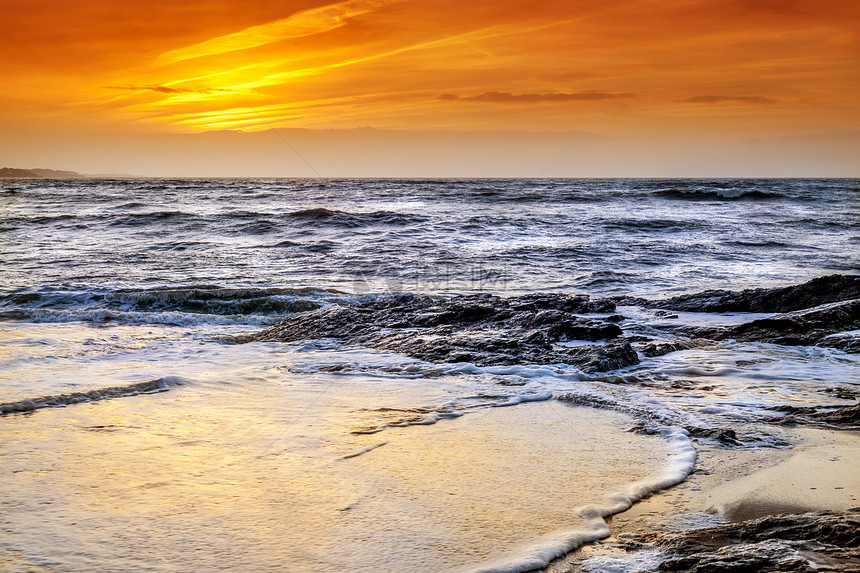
(652, 349)
(806, 542)
(481, 329)
(830, 415)
(843, 392)
(822, 290)
(722, 435)
(849, 343)
(803, 327)
(573, 303)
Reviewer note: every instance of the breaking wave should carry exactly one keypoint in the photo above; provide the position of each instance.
(196, 304)
(354, 220)
(60, 400)
(716, 194)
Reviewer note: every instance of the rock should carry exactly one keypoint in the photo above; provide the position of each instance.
(487, 330)
(481, 329)
(652, 349)
(725, 436)
(830, 415)
(847, 342)
(800, 542)
(822, 290)
(803, 327)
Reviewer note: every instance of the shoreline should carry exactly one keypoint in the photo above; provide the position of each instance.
(733, 486)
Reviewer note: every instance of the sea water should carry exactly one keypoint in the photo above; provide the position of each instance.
(173, 448)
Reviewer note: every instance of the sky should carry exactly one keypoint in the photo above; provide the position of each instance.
(432, 87)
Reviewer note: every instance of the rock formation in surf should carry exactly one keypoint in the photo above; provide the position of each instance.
(489, 330)
(481, 329)
(820, 541)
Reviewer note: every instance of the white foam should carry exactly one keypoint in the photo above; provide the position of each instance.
(177, 318)
(541, 552)
(363, 451)
(645, 560)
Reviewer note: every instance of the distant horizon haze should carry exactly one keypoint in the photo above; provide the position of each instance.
(394, 153)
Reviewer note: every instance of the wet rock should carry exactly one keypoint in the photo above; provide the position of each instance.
(843, 392)
(803, 327)
(725, 436)
(821, 541)
(652, 349)
(822, 290)
(480, 329)
(830, 415)
(847, 342)
(849, 415)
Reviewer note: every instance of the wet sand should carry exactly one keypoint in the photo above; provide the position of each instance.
(822, 472)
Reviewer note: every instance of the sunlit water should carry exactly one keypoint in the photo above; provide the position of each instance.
(318, 457)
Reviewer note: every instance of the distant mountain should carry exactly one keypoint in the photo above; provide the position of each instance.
(10, 172)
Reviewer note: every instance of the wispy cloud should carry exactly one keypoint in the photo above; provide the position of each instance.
(169, 90)
(273, 79)
(300, 24)
(505, 97)
(720, 99)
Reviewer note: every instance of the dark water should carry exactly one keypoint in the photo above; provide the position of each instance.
(144, 244)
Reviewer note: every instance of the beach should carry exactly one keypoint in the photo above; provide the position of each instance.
(729, 487)
(400, 375)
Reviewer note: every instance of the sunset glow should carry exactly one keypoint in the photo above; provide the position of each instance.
(718, 71)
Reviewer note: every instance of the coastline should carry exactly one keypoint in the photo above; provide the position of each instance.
(733, 487)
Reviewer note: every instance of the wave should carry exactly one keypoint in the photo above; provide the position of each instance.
(187, 305)
(717, 194)
(766, 243)
(132, 205)
(143, 219)
(654, 224)
(604, 278)
(352, 220)
(121, 219)
(41, 315)
(540, 553)
(59, 400)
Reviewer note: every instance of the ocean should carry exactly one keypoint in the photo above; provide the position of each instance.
(144, 426)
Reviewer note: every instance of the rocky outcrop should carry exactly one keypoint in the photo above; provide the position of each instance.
(652, 349)
(532, 329)
(808, 542)
(481, 329)
(822, 290)
(848, 342)
(803, 327)
(847, 416)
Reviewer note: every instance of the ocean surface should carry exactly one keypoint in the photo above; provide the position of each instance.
(176, 447)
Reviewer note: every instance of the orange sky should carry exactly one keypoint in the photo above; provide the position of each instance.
(634, 72)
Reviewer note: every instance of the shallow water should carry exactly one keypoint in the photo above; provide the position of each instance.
(259, 472)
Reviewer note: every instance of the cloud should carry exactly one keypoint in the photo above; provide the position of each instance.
(719, 99)
(505, 97)
(168, 90)
(298, 25)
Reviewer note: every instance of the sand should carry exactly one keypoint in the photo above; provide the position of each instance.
(822, 472)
